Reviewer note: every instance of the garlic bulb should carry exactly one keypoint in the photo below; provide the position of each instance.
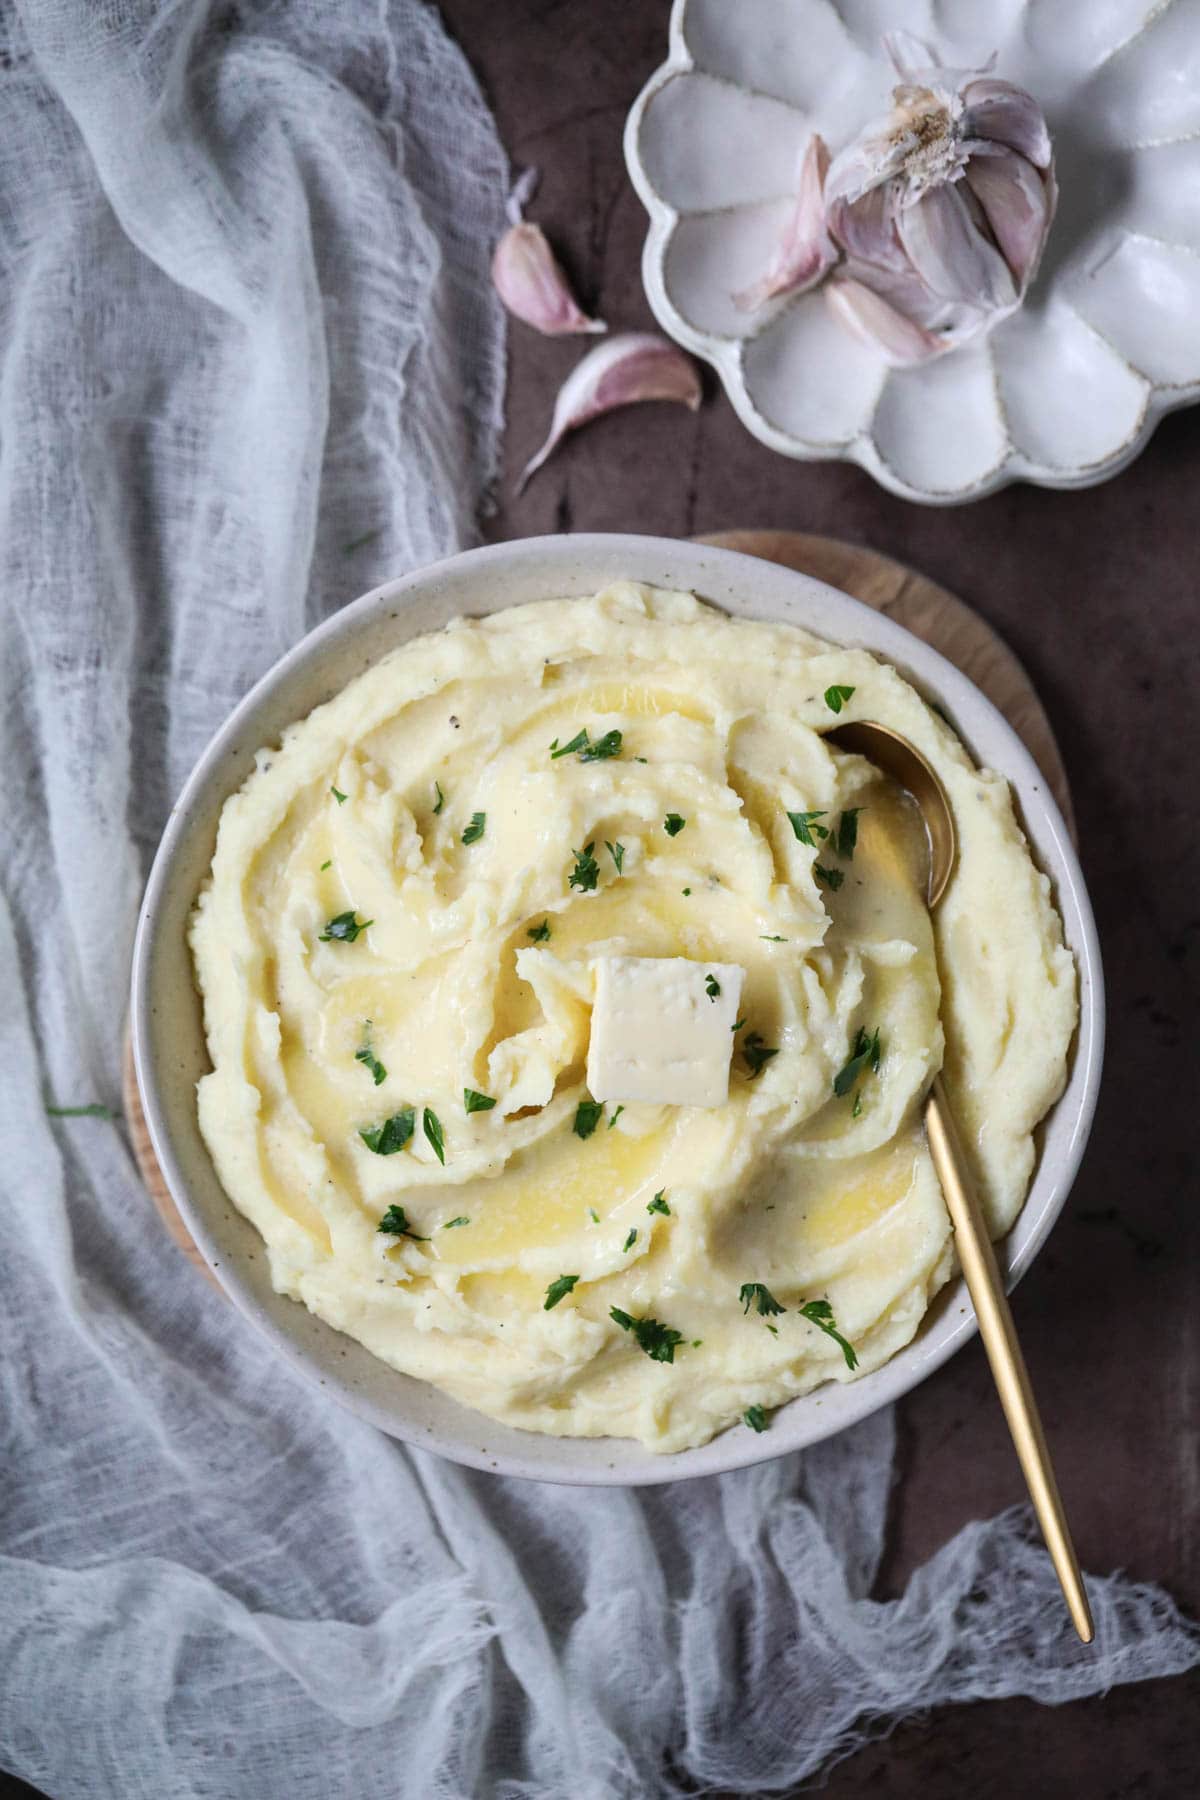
(937, 215)
(635, 365)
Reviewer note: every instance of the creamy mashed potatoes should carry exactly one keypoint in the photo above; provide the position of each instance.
(396, 954)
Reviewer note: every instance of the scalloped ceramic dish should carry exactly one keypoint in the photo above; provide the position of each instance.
(168, 1037)
(1063, 393)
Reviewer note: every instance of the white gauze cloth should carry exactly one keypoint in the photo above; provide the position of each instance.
(251, 364)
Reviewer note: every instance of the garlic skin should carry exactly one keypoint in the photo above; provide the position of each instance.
(633, 366)
(530, 281)
(936, 215)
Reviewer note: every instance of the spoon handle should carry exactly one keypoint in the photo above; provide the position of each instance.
(996, 1328)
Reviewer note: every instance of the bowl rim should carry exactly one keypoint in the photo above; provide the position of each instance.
(678, 563)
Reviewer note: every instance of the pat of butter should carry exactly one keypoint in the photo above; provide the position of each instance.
(662, 1030)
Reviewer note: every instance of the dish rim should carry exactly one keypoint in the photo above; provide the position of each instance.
(763, 590)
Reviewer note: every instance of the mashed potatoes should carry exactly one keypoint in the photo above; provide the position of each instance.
(397, 950)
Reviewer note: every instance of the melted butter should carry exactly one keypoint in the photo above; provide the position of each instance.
(543, 1196)
(842, 1198)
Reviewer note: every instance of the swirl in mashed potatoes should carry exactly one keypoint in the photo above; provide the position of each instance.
(407, 904)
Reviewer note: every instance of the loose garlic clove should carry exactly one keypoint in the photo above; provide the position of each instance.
(806, 249)
(529, 280)
(633, 366)
(869, 317)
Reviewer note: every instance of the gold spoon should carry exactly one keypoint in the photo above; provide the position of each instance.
(906, 766)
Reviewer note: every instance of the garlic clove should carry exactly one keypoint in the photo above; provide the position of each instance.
(871, 318)
(954, 259)
(1008, 115)
(805, 251)
(633, 366)
(1017, 207)
(527, 276)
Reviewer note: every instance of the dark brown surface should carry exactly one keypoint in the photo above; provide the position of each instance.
(1096, 592)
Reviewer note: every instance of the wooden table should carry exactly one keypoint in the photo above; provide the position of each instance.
(1097, 593)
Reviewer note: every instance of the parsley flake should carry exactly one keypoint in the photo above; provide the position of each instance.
(820, 1314)
(805, 826)
(587, 1116)
(450, 1224)
(94, 1111)
(865, 1054)
(657, 1340)
(603, 748)
(475, 829)
(393, 1134)
(474, 1101)
(712, 986)
(367, 1057)
(432, 1127)
(540, 933)
(753, 1293)
(441, 798)
(845, 838)
(830, 878)
(617, 852)
(772, 937)
(578, 742)
(685, 891)
(659, 1204)
(737, 1024)
(673, 824)
(327, 864)
(394, 1223)
(344, 929)
(836, 697)
(586, 872)
(756, 1418)
(613, 1117)
(338, 796)
(631, 1240)
(558, 1290)
(856, 1109)
(757, 1053)
(595, 1216)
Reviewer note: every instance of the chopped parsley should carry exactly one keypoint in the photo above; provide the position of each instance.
(432, 1127)
(753, 1293)
(836, 697)
(394, 1223)
(367, 1057)
(540, 933)
(475, 829)
(673, 824)
(613, 1117)
(586, 872)
(856, 1109)
(805, 826)
(631, 1240)
(587, 1116)
(94, 1111)
(820, 1313)
(772, 938)
(474, 1101)
(845, 837)
(712, 986)
(338, 796)
(441, 798)
(864, 1055)
(757, 1052)
(617, 852)
(685, 891)
(830, 878)
(737, 1024)
(393, 1134)
(344, 928)
(327, 864)
(756, 1418)
(451, 1224)
(659, 1204)
(594, 1215)
(657, 1340)
(603, 748)
(578, 742)
(558, 1290)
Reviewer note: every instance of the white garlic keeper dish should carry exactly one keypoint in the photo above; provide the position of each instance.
(1064, 392)
(168, 1038)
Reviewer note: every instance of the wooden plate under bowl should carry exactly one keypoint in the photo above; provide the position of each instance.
(930, 612)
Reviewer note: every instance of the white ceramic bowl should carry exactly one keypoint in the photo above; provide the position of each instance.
(168, 1038)
(1064, 392)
